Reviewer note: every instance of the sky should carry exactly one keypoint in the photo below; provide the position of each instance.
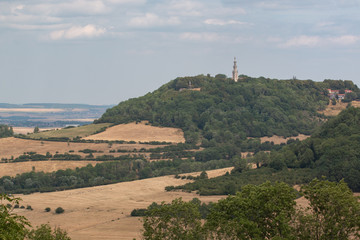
(107, 51)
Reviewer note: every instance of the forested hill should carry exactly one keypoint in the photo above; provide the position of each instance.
(227, 111)
(332, 151)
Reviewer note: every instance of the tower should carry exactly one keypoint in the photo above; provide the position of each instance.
(235, 71)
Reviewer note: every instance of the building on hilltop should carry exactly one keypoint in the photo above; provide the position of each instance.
(235, 74)
(335, 94)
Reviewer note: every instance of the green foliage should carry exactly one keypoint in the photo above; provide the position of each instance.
(59, 210)
(6, 131)
(334, 213)
(332, 151)
(103, 173)
(178, 220)
(12, 226)
(257, 212)
(228, 112)
(44, 232)
(266, 211)
(47, 209)
(36, 129)
(234, 182)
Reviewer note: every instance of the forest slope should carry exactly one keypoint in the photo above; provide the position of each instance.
(333, 151)
(224, 111)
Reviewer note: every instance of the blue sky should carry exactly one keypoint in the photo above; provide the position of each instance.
(106, 51)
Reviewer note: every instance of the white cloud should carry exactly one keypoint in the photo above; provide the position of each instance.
(208, 37)
(185, 7)
(87, 31)
(317, 41)
(303, 41)
(37, 26)
(220, 22)
(87, 7)
(132, 2)
(151, 19)
(345, 40)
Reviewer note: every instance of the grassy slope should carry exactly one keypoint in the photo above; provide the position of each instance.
(82, 131)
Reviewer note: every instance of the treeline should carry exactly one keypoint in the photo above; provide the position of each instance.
(225, 111)
(6, 131)
(266, 211)
(103, 173)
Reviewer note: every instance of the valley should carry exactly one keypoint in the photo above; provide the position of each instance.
(158, 147)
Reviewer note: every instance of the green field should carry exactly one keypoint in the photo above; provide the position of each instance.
(81, 131)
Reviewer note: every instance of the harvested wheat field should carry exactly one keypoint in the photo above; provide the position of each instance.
(26, 130)
(279, 139)
(140, 132)
(16, 147)
(103, 212)
(11, 169)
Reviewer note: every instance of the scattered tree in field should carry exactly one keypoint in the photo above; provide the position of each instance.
(36, 129)
(47, 209)
(59, 210)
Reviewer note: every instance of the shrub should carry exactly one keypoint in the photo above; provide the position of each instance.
(28, 207)
(59, 210)
(47, 209)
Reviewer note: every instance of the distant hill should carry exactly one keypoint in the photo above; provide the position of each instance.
(47, 115)
(217, 110)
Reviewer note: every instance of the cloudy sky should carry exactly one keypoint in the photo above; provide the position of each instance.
(106, 51)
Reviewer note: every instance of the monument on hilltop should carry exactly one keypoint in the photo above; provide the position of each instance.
(235, 74)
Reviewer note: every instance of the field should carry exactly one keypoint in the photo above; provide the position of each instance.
(32, 110)
(279, 139)
(82, 131)
(140, 132)
(103, 212)
(333, 110)
(11, 169)
(16, 147)
(26, 130)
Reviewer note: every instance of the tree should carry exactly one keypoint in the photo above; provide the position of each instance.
(59, 210)
(257, 212)
(334, 213)
(12, 226)
(178, 220)
(36, 129)
(44, 232)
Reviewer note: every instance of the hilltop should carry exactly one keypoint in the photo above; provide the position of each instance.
(217, 110)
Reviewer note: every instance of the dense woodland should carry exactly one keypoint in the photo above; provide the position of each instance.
(266, 211)
(227, 112)
(332, 151)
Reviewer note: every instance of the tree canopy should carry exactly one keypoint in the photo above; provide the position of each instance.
(224, 111)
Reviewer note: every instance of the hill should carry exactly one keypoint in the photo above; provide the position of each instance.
(333, 151)
(224, 111)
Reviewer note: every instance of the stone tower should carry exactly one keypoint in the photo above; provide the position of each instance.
(235, 71)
